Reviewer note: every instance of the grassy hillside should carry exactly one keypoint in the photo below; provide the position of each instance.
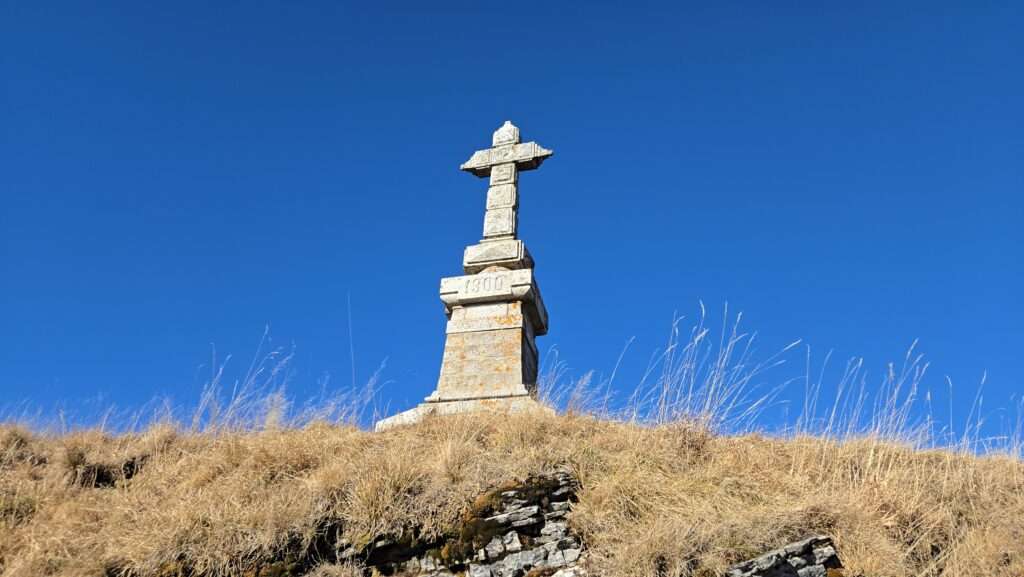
(655, 499)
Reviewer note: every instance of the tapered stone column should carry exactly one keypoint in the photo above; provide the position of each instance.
(495, 310)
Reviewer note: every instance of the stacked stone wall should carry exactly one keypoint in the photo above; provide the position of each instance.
(513, 531)
(521, 530)
(813, 557)
(518, 530)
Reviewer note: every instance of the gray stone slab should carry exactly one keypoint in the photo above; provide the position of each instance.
(504, 253)
(525, 156)
(500, 222)
(502, 196)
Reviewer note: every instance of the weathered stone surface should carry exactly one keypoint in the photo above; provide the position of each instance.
(525, 512)
(526, 156)
(498, 287)
(502, 253)
(519, 403)
(485, 364)
(500, 223)
(507, 133)
(495, 311)
(501, 538)
(487, 317)
(487, 286)
(502, 174)
(502, 196)
(813, 557)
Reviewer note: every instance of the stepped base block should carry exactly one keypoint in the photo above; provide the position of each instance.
(513, 404)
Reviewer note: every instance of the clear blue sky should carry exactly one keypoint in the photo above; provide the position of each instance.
(180, 174)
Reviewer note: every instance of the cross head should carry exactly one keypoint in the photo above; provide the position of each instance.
(502, 163)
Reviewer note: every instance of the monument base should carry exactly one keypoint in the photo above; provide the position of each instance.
(513, 404)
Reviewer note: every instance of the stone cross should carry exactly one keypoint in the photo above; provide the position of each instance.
(495, 311)
(503, 162)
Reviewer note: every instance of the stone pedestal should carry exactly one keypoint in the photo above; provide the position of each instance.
(495, 310)
(490, 356)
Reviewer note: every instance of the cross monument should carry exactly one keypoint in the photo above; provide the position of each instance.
(495, 310)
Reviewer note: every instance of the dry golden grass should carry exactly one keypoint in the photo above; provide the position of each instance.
(670, 499)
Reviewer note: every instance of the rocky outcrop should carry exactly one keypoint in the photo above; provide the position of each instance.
(519, 529)
(813, 557)
(515, 530)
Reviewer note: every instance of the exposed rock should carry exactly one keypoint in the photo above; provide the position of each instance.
(517, 530)
(512, 531)
(813, 557)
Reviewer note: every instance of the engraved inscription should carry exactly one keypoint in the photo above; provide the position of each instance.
(487, 284)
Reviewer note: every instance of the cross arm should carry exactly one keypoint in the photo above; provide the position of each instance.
(527, 156)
